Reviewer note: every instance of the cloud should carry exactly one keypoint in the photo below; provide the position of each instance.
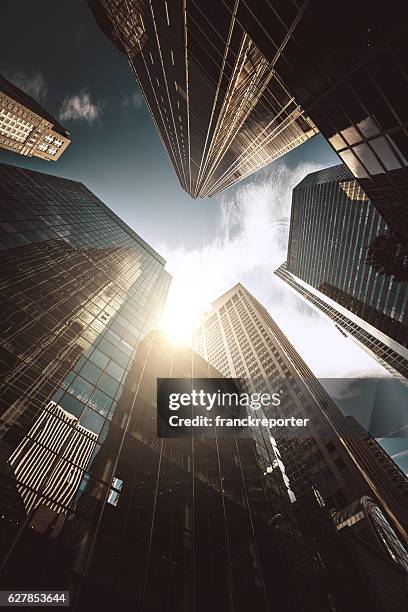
(135, 100)
(80, 108)
(34, 85)
(249, 244)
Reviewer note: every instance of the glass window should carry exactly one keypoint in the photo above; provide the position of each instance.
(368, 158)
(99, 358)
(106, 347)
(81, 388)
(108, 384)
(91, 372)
(92, 420)
(122, 358)
(100, 402)
(72, 405)
(125, 347)
(115, 370)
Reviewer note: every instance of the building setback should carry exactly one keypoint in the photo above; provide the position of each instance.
(334, 261)
(221, 110)
(240, 338)
(26, 127)
(79, 290)
(383, 349)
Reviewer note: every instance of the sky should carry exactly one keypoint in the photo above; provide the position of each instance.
(63, 59)
(59, 55)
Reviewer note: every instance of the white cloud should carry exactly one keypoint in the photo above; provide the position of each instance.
(249, 244)
(80, 108)
(135, 100)
(34, 85)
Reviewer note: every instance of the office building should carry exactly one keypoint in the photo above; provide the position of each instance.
(299, 71)
(202, 517)
(352, 84)
(221, 109)
(240, 338)
(334, 230)
(26, 127)
(387, 353)
(79, 291)
(333, 227)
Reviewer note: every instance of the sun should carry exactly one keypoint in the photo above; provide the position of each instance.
(181, 314)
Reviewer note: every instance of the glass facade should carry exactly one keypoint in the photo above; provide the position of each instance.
(352, 81)
(333, 250)
(389, 354)
(79, 290)
(188, 528)
(220, 108)
(332, 229)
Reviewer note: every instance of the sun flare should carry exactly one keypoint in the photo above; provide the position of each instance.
(181, 315)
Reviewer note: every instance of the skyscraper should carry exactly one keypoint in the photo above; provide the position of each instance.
(79, 290)
(333, 229)
(240, 338)
(26, 127)
(195, 515)
(221, 109)
(387, 353)
(352, 84)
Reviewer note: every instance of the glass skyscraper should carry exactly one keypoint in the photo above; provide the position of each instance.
(189, 523)
(352, 81)
(333, 229)
(79, 291)
(233, 90)
(220, 107)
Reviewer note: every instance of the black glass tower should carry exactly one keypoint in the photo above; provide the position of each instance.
(335, 261)
(352, 82)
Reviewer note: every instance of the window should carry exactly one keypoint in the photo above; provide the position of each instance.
(115, 491)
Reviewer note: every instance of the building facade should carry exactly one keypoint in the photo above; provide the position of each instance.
(221, 110)
(334, 261)
(26, 127)
(351, 84)
(193, 514)
(231, 91)
(240, 338)
(79, 291)
(388, 353)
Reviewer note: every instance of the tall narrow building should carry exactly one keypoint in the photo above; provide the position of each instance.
(203, 517)
(352, 82)
(26, 127)
(334, 261)
(221, 109)
(79, 290)
(240, 338)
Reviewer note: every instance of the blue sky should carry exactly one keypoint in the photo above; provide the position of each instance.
(63, 59)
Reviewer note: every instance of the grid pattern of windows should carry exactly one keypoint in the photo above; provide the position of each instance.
(353, 84)
(79, 291)
(221, 110)
(242, 340)
(182, 502)
(26, 128)
(333, 227)
(386, 353)
(241, 330)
